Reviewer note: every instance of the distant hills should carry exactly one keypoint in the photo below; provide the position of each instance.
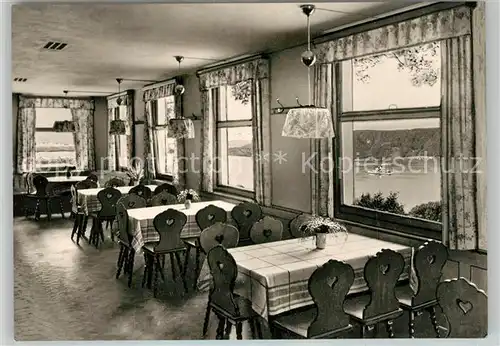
(243, 150)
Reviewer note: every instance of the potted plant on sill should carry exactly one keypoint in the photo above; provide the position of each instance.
(135, 173)
(319, 227)
(187, 197)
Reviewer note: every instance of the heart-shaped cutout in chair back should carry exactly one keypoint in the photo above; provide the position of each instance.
(331, 281)
(431, 259)
(170, 222)
(384, 268)
(210, 217)
(109, 195)
(131, 204)
(465, 306)
(247, 213)
(267, 233)
(219, 238)
(220, 265)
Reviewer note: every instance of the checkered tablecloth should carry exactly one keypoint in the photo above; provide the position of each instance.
(274, 276)
(141, 221)
(89, 202)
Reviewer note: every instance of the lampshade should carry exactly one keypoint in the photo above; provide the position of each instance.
(64, 126)
(308, 122)
(117, 127)
(180, 128)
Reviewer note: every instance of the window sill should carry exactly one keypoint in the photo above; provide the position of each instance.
(225, 197)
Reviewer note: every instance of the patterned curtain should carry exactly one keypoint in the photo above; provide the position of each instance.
(26, 150)
(435, 26)
(111, 143)
(84, 138)
(322, 176)
(257, 71)
(150, 171)
(459, 190)
(128, 101)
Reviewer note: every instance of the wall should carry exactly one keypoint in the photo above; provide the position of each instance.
(15, 99)
(100, 131)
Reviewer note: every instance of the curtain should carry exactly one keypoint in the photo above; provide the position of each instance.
(179, 151)
(322, 177)
(150, 171)
(256, 71)
(84, 138)
(460, 229)
(435, 26)
(128, 101)
(26, 150)
(111, 143)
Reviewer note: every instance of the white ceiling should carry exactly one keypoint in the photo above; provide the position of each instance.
(138, 41)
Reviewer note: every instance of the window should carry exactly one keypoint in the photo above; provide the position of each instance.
(164, 146)
(54, 150)
(121, 156)
(234, 138)
(389, 146)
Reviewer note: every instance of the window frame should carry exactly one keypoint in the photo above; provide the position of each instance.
(154, 115)
(370, 217)
(52, 169)
(218, 124)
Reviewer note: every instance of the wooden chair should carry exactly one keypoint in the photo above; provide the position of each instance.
(381, 274)
(163, 198)
(465, 308)
(428, 262)
(245, 215)
(126, 257)
(229, 307)
(45, 193)
(93, 177)
(142, 191)
(80, 223)
(296, 223)
(109, 198)
(166, 187)
(169, 225)
(115, 182)
(205, 217)
(328, 286)
(267, 229)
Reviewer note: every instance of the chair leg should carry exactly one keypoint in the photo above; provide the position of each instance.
(207, 319)
(251, 323)
(432, 313)
(411, 324)
(220, 328)
(258, 327)
(227, 332)
(151, 261)
(49, 211)
(186, 262)
(155, 284)
(121, 259)
(37, 209)
(61, 205)
(146, 269)
(131, 260)
(239, 330)
(76, 226)
(389, 328)
(197, 270)
(172, 263)
(160, 267)
(85, 221)
(183, 277)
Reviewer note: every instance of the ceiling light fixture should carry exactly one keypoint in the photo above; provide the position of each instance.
(308, 121)
(179, 88)
(119, 100)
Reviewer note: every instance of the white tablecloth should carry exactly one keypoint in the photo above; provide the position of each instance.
(274, 276)
(89, 202)
(141, 221)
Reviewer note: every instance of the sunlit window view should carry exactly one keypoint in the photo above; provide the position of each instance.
(164, 146)
(235, 138)
(391, 130)
(54, 150)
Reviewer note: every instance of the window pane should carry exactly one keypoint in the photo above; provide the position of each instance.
(393, 156)
(166, 109)
(404, 78)
(45, 117)
(54, 149)
(171, 148)
(235, 102)
(160, 154)
(122, 149)
(235, 157)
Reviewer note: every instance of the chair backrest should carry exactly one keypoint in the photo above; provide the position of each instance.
(109, 198)
(224, 271)
(132, 201)
(74, 204)
(122, 220)
(465, 308)
(163, 198)
(328, 287)
(219, 234)
(296, 223)
(40, 183)
(86, 184)
(267, 229)
(209, 216)
(166, 187)
(93, 177)
(245, 215)
(381, 274)
(142, 191)
(30, 187)
(114, 182)
(428, 262)
(169, 225)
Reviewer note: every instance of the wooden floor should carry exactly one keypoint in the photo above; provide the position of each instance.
(66, 292)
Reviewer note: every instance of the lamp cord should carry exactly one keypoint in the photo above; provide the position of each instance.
(308, 67)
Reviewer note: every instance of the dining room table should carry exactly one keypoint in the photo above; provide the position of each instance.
(274, 276)
(142, 229)
(63, 179)
(87, 198)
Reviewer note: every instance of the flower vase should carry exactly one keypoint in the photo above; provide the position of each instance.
(320, 240)
(187, 203)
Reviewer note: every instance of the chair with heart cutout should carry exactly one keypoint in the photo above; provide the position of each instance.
(169, 225)
(296, 223)
(229, 307)
(166, 187)
(381, 274)
(328, 286)
(141, 191)
(108, 198)
(80, 223)
(245, 215)
(205, 217)
(266, 230)
(163, 198)
(465, 307)
(126, 256)
(428, 262)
